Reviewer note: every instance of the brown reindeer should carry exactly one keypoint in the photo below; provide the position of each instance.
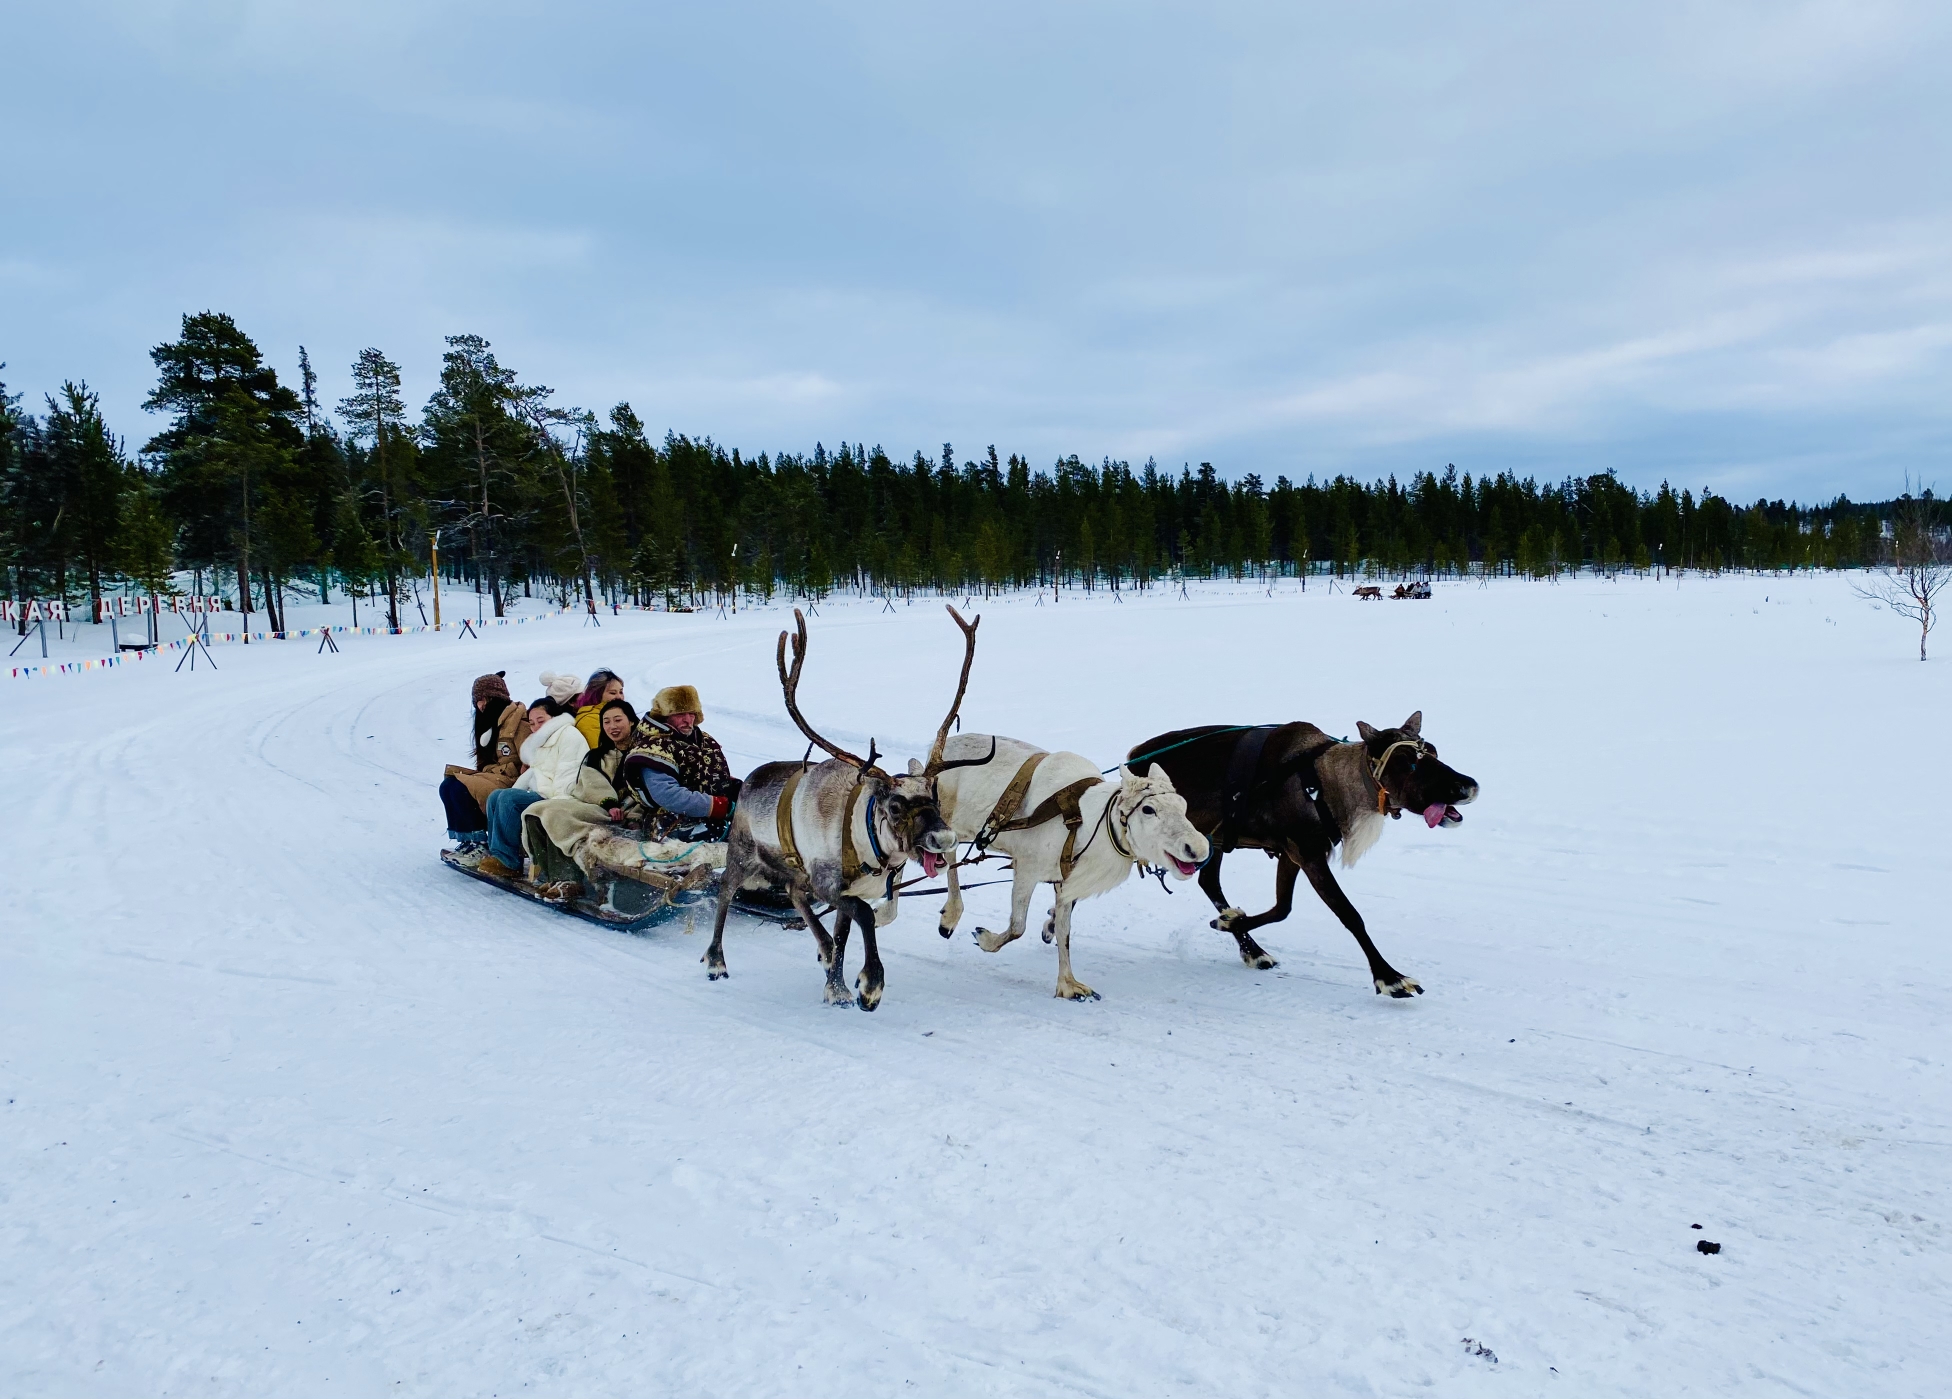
(1293, 791)
(839, 831)
(1369, 592)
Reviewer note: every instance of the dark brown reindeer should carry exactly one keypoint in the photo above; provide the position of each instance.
(1293, 791)
(839, 831)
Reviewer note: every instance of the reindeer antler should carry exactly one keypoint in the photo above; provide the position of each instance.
(790, 683)
(955, 708)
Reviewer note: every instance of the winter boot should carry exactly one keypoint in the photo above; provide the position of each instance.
(495, 869)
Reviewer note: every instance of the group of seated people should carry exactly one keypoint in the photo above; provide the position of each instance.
(659, 775)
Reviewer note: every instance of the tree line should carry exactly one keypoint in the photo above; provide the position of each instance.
(256, 486)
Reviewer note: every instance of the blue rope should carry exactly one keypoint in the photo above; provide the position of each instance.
(643, 850)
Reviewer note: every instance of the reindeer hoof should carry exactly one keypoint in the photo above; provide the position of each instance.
(988, 940)
(1259, 961)
(837, 996)
(1050, 928)
(1400, 989)
(947, 930)
(1228, 917)
(716, 974)
(1077, 991)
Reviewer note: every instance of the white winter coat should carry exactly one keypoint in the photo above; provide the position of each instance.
(555, 755)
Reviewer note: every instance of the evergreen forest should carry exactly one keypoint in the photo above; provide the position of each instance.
(256, 489)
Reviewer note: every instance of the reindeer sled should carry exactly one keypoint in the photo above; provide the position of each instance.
(602, 873)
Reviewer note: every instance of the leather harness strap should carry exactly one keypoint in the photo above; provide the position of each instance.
(1011, 799)
(1241, 767)
(1063, 802)
(1240, 784)
(783, 814)
(851, 867)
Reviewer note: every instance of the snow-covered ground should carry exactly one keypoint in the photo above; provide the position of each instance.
(292, 1110)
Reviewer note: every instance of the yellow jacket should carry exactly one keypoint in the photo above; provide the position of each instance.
(590, 720)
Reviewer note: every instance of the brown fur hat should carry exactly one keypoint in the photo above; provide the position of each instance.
(486, 685)
(676, 699)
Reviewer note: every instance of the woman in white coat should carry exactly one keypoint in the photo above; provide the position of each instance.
(554, 752)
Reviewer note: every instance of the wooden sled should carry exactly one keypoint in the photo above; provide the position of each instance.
(634, 903)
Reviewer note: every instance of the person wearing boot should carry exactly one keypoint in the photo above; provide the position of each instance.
(499, 728)
(554, 753)
(678, 770)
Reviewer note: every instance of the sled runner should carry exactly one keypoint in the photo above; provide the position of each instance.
(634, 905)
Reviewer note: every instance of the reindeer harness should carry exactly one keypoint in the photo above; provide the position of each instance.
(1063, 803)
(852, 867)
(1376, 766)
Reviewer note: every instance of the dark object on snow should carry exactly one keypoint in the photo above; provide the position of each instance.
(1480, 1349)
(1293, 791)
(1694, 1226)
(625, 904)
(1704, 1246)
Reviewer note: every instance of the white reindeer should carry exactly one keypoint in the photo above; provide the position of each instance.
(1064, 825)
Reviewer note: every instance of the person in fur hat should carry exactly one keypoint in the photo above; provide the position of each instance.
(500, 725)
(678, 770)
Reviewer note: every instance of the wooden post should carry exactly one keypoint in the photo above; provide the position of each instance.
(434, 548)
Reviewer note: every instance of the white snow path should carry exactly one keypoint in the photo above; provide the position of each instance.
(290, 1109)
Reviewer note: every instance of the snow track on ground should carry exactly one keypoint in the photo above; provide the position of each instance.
(291, 1109)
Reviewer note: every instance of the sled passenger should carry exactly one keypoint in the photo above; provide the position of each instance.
(678, 770)
(499, 728)
(554, 753)
(619, 730)
(603, 686)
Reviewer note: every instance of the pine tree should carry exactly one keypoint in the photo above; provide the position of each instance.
(376, 412)
(234, 432)
(88, 463)
(145, 542)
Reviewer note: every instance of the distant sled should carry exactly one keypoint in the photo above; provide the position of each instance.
(628, 905)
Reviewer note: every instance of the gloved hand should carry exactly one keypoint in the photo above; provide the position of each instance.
(722, 808)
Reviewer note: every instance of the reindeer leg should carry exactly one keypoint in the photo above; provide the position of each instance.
(868, 984)
(823, 945)
(1242, 928)
(1068, 986)
(1389, 981)
(836, 993)
(1022, 885)
(1210, 886)
(728, 889)
(952, 906)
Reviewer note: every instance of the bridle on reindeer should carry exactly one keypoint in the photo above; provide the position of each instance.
(852, 866)
(1376, 765)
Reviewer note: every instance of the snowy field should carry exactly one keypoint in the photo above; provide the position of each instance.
(292, 1110)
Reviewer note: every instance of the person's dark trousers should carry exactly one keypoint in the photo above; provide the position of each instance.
(465, 823)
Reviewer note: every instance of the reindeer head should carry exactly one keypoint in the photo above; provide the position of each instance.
(1152, 817)
(1409, 776)
(906, 803)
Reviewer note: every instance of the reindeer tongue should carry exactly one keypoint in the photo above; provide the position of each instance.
(1434, 814)
(930, 864)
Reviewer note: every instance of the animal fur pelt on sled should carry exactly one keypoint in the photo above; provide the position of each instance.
(579, 825)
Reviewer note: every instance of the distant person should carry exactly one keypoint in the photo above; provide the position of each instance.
(500, 725)
(678, 770)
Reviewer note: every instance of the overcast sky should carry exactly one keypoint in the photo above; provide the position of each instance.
(1708, 242)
